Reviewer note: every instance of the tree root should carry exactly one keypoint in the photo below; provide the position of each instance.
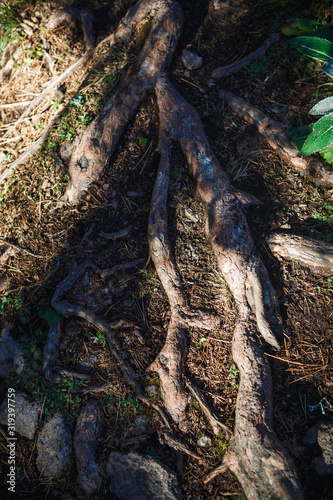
(67, 310)
(265, 469)
(99, 140)
(170, 362)
(312, 168)
(229, 69)
(255, 455)
(308, 252)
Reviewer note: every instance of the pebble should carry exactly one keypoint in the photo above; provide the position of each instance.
(191, 60)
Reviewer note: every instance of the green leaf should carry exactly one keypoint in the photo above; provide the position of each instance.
(298, 135)
(50, 316)
(323, 107)
(327, 155)
(317, 48)
(303, 26)
(321, 137)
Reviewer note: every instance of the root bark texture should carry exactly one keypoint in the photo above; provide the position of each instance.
(255, 455)
(274, 134)
(308, 252)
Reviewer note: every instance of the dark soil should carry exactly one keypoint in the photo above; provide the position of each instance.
(302, 372)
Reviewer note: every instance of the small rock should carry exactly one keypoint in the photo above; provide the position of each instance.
(322, 433)
(141, 424)
(89, 428)
(87, 364)
(193, 252)
(141, 477)
(204, 441)
(10, 354)
(191, 60)
(54, 447)
(151, 390)
(190, 215)
(26, 414)
(221, 5)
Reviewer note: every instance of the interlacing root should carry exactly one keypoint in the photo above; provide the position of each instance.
(273, 132)
(255, 455)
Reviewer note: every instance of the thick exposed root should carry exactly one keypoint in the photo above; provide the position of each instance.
(274, 134)
(308, 252)
(171, 360)
(255, 455)
(265, 471)
(101, 137)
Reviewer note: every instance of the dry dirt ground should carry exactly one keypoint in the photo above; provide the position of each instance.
(282, 82)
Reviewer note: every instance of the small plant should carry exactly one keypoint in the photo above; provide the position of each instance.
(8, 23)
(101, 337)
(234, 376)
(129, 401)
(4, 304)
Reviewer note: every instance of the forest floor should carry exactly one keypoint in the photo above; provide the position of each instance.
(282, 83)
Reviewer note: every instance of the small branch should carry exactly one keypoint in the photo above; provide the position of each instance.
(308, 252)
(221, 469)
(19, 249)
(68, 310)
(274, 134)
(50, 347)
(29, 152)
(98, 388)
(245, 61)
(165, 437)
(214, 422)
(14, 105)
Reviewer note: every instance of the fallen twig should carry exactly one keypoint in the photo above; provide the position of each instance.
(19, 249)
(14, 104)
(229, 69)
(214, 422)
(166, 437)
(277, 139)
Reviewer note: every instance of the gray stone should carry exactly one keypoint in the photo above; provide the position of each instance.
(151, 390)
(141, 424)
(26, 414)
(141, 477)
(204, 441)
(191, 60)
(87, 364)
(89, 428)
(54, 447)
(10, 354)
(322, 433)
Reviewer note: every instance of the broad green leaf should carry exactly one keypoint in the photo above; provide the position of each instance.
(328, 69)
(317, 48)
(327, 155)
(321, 137)
(323, 107)
(298, 135)
(303, 26)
